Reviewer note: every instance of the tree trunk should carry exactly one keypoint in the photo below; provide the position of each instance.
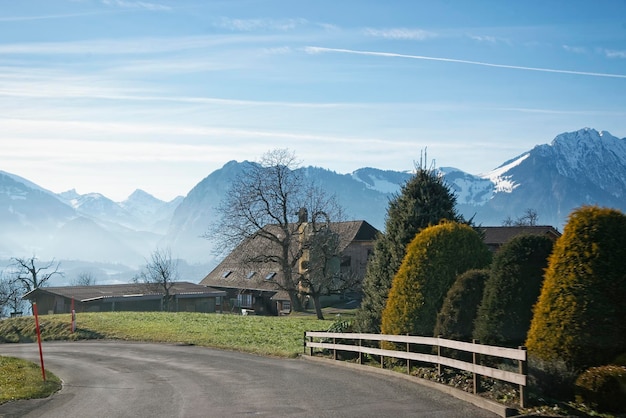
(318, 306)
(296, 303)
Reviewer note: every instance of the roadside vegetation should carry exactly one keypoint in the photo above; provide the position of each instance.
(21, 379)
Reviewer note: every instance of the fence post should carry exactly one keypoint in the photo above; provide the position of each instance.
(360, 353)
(311, 348)
(304, 343)
(475, 376)
(523, 369)
(408, 361)
(438, 355)
(334, 349)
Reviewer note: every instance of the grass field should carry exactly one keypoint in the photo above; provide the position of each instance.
(274, 336)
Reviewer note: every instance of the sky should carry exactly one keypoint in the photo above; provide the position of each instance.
(113, 95)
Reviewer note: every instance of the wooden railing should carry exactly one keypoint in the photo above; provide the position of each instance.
(353, 342)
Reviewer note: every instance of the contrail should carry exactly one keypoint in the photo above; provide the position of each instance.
(317, 49)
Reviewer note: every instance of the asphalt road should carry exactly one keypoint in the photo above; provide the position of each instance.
(117, 379)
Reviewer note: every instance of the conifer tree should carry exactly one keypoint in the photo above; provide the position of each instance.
(512, 290)
(455, 320)
(424, 200)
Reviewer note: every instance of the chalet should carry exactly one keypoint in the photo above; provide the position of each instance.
(186, 297)
(253, 286)
(496, 236)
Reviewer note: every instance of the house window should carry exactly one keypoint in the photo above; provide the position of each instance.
(244, 301)
(250, 274)
(270, 276)
(286, 306)
(226, 273)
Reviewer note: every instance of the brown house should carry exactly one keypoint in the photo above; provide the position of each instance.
(186, 297)
(253, 286)
(496, 236)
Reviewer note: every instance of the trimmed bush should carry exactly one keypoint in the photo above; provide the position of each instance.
(603, 388)
(512, 290)
(456, 318)
(434, 258)
(579, 317)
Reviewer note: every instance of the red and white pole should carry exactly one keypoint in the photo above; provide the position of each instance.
(73, 326)
(43, 370)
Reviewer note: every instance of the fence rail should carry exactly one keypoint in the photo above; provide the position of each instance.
(320, 340)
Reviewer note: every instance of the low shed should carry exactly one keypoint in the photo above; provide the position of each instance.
(185, 297)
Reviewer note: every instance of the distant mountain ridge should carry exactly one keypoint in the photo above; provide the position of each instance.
(576, 168)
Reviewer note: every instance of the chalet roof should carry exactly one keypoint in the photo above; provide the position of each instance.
(100, 292)
(234, 272)
(498, 235)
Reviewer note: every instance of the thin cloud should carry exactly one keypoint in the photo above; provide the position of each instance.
(49, 17)
(137, 5)
(615, 54)
(319, 50)
(250, 25)
(575, 49)
(400, 34)
(484, 38)
(126, 46)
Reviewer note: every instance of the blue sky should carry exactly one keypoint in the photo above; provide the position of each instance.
(112, 95)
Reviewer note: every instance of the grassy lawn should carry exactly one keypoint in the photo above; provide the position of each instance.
(21, 379)
(274, 336)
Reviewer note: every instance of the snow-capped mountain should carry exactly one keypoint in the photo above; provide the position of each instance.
(576, 168)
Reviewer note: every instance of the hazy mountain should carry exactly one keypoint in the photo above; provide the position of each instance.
(26, 210)
(576, 168)
(152, 213)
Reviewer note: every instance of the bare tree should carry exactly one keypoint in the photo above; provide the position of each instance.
(269, 202)
(161, 272)
(31, 276)
(529, 218)
(321, 274)
(84, 278)
(10, 296)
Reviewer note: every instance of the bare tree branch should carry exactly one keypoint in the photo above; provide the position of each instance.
(32, 276)
(161, 272)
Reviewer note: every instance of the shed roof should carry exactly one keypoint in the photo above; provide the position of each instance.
(99, 292)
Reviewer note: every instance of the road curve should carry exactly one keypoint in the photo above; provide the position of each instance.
(121, 379)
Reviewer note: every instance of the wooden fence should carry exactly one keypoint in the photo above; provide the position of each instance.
(353, 342)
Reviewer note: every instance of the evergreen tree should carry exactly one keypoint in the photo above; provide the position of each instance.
(579, 317)
(423, 201)
(455, 321)
(512, 290)
(434, 259)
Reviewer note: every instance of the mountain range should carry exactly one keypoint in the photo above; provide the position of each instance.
(91, 231)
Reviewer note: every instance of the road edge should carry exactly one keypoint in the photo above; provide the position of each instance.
(489, 405)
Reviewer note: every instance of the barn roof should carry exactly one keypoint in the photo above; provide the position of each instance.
(495, 236)
(234, 272)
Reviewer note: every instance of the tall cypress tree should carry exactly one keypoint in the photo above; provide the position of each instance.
(423, 201)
